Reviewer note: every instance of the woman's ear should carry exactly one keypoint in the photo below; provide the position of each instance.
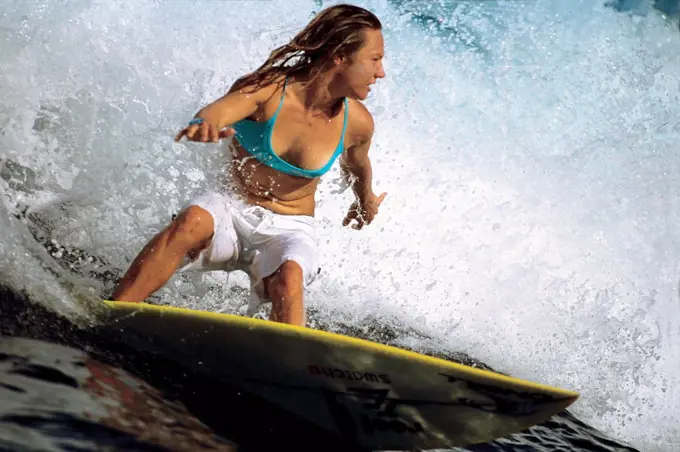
(338, 59)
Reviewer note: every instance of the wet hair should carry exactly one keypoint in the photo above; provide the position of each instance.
(336, 30)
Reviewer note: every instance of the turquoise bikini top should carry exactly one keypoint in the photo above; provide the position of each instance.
(256, 138)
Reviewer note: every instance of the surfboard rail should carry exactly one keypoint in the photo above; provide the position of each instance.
(384, 396)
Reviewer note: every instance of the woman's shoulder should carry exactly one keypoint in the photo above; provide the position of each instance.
(260, 90)
(360, 121)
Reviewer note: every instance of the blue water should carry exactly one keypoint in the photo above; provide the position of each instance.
(528, 149)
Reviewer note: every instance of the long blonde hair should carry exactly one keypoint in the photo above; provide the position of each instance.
(336, 30)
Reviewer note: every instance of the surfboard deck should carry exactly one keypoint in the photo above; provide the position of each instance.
(383, 397)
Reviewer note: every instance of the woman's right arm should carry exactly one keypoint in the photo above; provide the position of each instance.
(230, 108)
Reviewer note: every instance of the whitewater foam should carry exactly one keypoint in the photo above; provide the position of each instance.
(528, 156)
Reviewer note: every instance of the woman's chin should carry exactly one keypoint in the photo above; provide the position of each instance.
(362, 94)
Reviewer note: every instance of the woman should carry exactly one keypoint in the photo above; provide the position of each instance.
(290, 119)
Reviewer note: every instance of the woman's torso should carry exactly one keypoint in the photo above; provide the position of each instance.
(300, 140)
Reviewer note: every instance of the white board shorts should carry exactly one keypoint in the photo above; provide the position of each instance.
(256, 241)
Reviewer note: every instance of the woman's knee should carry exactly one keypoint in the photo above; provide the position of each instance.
(287, 282)
(192, 227)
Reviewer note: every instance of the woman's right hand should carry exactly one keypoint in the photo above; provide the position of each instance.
(204, 132)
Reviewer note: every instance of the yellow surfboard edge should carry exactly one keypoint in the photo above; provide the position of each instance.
(310, 333)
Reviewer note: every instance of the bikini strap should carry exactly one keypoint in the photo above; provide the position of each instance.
(344, 124)
(283, 92)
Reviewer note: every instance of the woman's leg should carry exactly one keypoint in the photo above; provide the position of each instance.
(189, 233)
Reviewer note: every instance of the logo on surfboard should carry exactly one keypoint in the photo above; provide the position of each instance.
(351, 375)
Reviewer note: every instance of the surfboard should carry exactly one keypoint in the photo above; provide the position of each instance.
(383, 397)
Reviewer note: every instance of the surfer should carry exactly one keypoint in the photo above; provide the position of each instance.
(289, 121)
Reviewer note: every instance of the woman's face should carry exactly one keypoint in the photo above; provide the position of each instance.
(364, 67)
